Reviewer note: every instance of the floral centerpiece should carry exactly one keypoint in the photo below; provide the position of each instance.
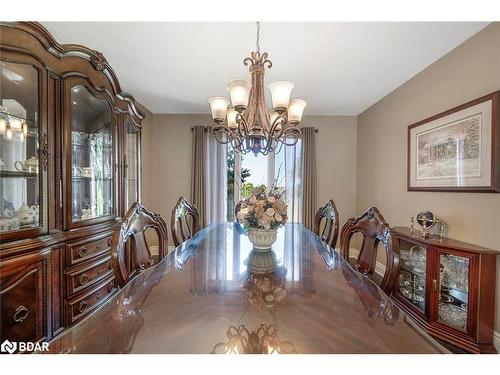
(264, 209)
(262, 214)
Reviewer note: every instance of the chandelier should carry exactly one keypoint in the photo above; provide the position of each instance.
(245, 123)
(264, 340)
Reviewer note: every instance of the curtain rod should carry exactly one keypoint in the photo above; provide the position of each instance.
(316, 130)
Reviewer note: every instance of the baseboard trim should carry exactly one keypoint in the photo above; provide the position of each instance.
(155, 249)
(379, 267)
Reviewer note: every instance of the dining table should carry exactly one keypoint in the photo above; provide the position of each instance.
(206, 297)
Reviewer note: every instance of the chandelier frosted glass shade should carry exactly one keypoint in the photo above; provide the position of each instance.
(280, 94)
(218, 107)
(239, 91)
(295, 110)
(231, 118)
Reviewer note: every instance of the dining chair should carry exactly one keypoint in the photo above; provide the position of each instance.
(185, 221)
(374, 229)
(237, 209)
(130, 254)
(326, 224)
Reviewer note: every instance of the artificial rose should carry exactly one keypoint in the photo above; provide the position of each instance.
(270, 211)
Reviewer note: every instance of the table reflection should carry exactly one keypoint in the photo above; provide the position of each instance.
(203, 298)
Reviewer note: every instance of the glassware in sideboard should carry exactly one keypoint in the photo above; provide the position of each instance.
(92, 155)
(20, 179)
(411, 280)
(453, 291)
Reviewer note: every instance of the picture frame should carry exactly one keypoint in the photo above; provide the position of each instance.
(457, 150)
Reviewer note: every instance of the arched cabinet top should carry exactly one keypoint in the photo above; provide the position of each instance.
(67, 60)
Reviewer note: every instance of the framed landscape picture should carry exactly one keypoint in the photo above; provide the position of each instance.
(457, 150)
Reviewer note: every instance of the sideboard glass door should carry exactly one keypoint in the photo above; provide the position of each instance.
(453, 290)
(411, 283)
(91, 156)
(22, 143)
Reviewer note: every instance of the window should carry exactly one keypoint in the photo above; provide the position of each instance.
(245, 172)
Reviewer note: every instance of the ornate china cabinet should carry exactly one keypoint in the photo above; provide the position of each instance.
(69, 169)
(448, 288)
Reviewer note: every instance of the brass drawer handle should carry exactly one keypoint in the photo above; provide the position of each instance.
(109, 242)
(98, 295)
(83, 306)
(84, 279)
(83, 252)
(110, 266)
(20, 314)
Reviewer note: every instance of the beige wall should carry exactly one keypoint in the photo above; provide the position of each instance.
(468, 72)
(336, 161)
(169, 171)
(172, 158)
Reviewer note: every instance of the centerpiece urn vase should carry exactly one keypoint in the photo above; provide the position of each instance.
(262, 258)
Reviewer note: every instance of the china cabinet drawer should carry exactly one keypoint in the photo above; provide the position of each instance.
(23, 298)
(87, 275)
(83, 304)
(83, 250)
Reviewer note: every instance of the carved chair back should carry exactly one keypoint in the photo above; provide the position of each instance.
(130, 251)
(372, 225)
(185, 221)
(326, 224)
(237, 209)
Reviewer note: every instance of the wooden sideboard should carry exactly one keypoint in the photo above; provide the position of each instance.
(448, 288)
(70, 168)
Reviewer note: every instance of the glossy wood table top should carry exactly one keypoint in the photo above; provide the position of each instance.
(314, 303)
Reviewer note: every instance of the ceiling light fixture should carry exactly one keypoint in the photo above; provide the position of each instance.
(249, 126)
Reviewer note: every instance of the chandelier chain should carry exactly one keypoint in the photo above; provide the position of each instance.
(258, 37)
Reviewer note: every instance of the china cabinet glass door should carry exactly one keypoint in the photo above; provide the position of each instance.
(91, 156)
(453, 290)
(411, 281)
(22, 142)
(132, 164)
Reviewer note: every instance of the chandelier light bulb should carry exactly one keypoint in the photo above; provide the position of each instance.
(239, 91)
(25, 129)
(8, 133)
(280, 94)
(218, 107)
(3, 125)
(295, 110)
(231, 118)
(15, 124)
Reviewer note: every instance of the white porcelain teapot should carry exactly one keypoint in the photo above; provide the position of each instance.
(26, 214)
(30, 165)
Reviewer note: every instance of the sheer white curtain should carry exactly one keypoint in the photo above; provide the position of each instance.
(288, 171)
(215, 181)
